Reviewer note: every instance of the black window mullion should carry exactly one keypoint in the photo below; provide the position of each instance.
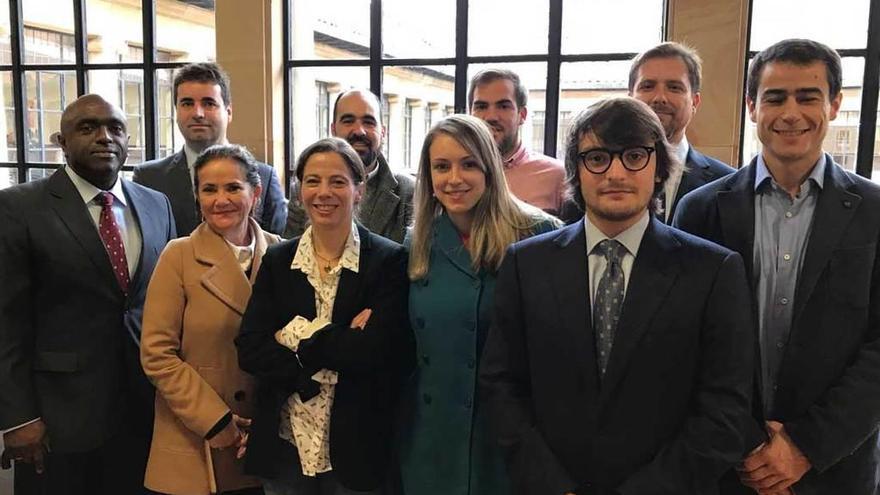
(17, 45)
(150, 128)
(79, 45)
(870, 85)
(554, 51)
(742, 114)
(376, 49)
(461, 61)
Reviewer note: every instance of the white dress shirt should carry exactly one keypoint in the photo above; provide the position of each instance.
(679, 152)
(631, 238)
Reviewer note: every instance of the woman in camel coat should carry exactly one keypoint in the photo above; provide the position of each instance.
(197, 295)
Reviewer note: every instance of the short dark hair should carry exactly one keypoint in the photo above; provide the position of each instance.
(203, 72)
(798, 52)
(336, 145)
(234, 152)
(670, 49)
(358, 90)
(618, 122)
(488, 75)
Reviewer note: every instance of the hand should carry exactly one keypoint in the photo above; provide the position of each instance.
(776, 466)
(27, 444)
(233, 435)
(360, 321)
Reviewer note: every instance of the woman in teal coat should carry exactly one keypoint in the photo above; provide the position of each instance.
(465, 218)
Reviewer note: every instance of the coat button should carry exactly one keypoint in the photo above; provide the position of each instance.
(427, 398)
(239, 395)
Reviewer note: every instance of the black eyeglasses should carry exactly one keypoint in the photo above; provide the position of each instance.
(598, 160)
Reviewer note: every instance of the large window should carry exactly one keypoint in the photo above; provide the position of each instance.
(52, 51)
(569, 53)
(859, 47)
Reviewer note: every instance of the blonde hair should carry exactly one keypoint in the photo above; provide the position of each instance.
(499, 218)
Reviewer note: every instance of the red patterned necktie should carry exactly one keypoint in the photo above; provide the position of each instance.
(112, 238)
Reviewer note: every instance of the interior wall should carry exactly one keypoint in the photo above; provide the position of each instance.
(718, 30)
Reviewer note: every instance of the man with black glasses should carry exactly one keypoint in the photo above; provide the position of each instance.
(619, 360)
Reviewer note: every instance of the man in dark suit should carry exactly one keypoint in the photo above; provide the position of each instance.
(809, 233)
(386, 207)
(203, 109)
(619, 359)
(668, 77)
(76, 253)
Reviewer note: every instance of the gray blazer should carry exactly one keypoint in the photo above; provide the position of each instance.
(386, 208)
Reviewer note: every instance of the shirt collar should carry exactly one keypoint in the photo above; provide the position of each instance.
(243, 254)
(191, 156)
(762, 173)
(304, 259)
(88, 191)
(680, 150)
(631, 238)
(518, 156)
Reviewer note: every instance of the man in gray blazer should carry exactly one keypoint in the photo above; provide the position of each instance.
(386, 207)
(203, 109)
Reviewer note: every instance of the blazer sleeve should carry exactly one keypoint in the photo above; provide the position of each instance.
(849, 411)
(386, 339)
(187, 394)
(505, 381)
(18, 403)
(720, 431)
(275, 207)
(258, 352)
(297, 220)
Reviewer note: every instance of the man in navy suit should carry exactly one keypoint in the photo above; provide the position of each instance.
(203, 110)
(619, 358)
(76, 253)
(809, 232)
(668, 77)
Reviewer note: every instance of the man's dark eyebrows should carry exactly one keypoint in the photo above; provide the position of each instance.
(773, 93)
(808, 91)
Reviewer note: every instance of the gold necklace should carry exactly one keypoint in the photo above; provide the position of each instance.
(328, 262)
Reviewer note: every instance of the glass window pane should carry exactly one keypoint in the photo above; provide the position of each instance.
(842, 139)
(170, 139)
(409, 90)
(409, 31)
(7, 123)
(534, 77)
(5, 45)
(52, 43)
(39, 173)
(124, 88)
(611, 27)
(330, 29)
(774, 20)
(8, 177)
(581, 85)
(485, 16)
(47, 93)
(115, 31)
(306, 129)
(185, 31)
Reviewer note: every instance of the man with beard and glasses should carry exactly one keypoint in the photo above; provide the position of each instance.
(499, 98)
(619, 360)
(386, 206)
(203, 110)
(667, 77)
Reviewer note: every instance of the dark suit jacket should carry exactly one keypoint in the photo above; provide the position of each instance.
(170, 176)
(672, 412)
(68, 335)
(386, 208)
(828, 394)
(371, 362)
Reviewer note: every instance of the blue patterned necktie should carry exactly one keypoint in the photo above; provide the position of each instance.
(609, 299)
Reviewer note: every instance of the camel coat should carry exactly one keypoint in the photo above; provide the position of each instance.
(195, 300)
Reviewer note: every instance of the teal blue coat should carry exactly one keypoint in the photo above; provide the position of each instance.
(446, 444)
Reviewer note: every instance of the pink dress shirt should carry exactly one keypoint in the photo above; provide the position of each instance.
(537, 179)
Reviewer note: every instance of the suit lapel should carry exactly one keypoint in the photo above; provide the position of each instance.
(569, 272)
(186, 212)
(736, 210)
(695, 174)
(382, 203)
(349, 289)
(835, 208)
(69, 206)
(448, 244)
(653, 274)
(224, 280)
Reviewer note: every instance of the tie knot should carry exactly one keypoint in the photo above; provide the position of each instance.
(104, 199)
(612, 250)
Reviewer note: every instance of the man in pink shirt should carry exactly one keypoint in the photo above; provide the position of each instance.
(498, 97)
